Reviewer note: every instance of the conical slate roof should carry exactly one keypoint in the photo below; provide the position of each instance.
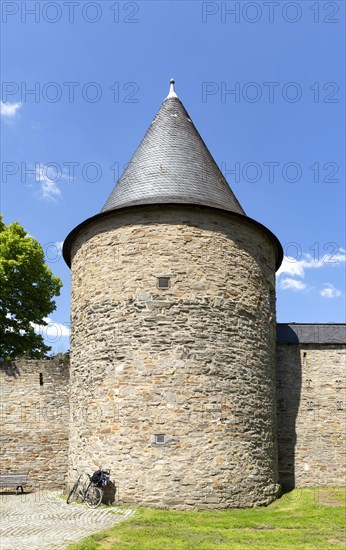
(172, 164)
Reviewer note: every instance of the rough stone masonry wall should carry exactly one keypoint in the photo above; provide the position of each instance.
(311, 414)
(195, 362)
(34, 421)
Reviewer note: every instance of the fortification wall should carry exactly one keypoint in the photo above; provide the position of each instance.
(311, 414)
(34, 421)
(194, 363)
(311, 417)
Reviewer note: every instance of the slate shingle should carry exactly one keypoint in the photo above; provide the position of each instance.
(172, 164)
(311, 333)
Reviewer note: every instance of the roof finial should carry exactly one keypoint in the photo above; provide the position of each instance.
(171, 89)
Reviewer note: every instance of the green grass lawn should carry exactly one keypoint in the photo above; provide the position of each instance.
(309, 518)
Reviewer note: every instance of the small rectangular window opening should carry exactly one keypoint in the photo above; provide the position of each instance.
(41, 379)
(160, 439)
(163, 282)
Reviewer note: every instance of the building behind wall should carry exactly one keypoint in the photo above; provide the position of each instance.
(311, 387)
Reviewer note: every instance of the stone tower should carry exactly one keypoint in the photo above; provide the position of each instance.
(173, 331)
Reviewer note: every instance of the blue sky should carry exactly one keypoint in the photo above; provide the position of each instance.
(263, 83)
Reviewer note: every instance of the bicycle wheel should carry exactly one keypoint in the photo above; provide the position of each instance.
(93, 496)
(73, 494)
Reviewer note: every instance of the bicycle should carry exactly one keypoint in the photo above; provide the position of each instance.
(91, 493)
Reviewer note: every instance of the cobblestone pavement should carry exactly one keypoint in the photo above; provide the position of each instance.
(43, 521)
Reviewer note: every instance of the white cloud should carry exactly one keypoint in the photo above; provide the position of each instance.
(292, 284)
(9, 109)
(297, 268)
(329, 291)
(53, 331)
(291, 267)
(49, 189)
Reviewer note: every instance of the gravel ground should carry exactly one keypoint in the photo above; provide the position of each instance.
(43, 521)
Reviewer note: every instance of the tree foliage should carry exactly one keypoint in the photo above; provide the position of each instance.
(27, 288)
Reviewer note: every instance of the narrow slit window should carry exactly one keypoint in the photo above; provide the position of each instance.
(160, 439)
(163, 282)
(41, 379)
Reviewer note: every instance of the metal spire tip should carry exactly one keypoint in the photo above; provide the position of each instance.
(171, 89)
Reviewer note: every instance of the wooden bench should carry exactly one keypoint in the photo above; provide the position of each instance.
(14, 480)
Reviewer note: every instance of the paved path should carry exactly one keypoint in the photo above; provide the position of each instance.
(43, 521)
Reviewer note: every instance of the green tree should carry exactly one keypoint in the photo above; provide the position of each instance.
(27, 288)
